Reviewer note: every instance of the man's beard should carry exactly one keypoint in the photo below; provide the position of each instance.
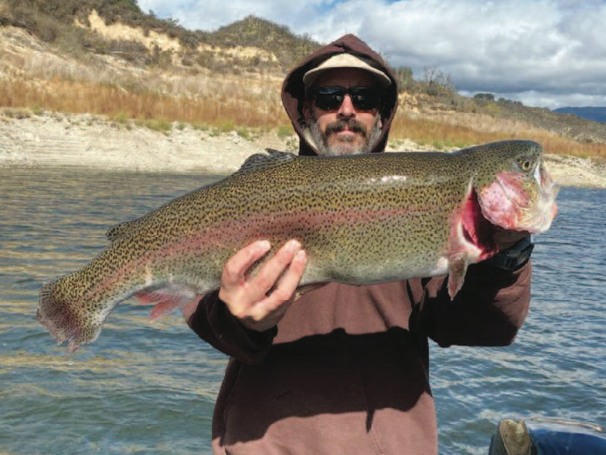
(346, 146)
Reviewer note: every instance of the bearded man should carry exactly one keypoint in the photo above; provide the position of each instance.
(344, 369)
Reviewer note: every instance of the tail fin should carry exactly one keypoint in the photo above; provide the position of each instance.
(60, 319)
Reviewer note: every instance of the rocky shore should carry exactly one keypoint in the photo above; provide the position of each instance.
(92, 142)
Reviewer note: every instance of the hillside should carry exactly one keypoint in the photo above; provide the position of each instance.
(106, 57)
(572, 126)
(119, 27)
(596, 114)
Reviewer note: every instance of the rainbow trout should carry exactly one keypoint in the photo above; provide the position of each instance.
(361, 220)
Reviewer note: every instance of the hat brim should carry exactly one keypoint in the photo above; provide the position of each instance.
(345, 60)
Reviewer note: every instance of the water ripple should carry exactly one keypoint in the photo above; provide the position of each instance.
(150, 387)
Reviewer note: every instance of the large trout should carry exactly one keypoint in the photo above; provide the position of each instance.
(361, 220)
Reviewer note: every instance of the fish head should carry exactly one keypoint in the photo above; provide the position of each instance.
(514, 189)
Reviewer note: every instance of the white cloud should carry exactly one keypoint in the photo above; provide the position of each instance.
(210, 15)
(542, 52)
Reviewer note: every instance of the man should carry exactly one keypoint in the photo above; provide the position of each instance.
(344, 369)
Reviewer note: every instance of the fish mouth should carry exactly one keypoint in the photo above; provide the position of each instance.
(511, 202)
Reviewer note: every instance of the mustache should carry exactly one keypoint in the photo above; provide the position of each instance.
(351, 124)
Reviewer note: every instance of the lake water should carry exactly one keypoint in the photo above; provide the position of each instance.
(149, 388)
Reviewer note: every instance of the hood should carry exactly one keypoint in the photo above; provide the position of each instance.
(293, 89)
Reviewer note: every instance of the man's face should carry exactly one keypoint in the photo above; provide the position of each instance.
(345, 130)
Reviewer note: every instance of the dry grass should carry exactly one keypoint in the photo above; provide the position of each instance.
(45, 81)
(71, 69)
(106, 86)
(461, 130)
(231, 105)
(181, 98)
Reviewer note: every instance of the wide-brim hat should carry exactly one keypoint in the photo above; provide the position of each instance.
(345, 60)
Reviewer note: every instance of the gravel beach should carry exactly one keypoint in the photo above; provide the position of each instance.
(93, 142)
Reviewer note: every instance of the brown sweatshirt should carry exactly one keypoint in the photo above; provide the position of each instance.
(346, 371)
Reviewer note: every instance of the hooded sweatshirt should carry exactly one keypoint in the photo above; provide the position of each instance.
(293, 89)
(346, 371)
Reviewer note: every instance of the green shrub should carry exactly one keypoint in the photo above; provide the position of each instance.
(226, 126)
(36, 109)
(200, 127)
(121, 118)
(484, 96)
(244, 133)
(160, 124)
(285, 131)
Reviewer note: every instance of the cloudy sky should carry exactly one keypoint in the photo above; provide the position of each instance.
(549, 53)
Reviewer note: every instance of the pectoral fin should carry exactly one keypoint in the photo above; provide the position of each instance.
(457, 267)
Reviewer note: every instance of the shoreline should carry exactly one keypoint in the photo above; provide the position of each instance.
(87, 142)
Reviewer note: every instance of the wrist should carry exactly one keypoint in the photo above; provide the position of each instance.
(512, 258)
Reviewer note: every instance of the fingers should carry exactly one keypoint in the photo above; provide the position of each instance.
(234, 271)
(288, 283)
(247, 297)
(268, 311)
(267, 277)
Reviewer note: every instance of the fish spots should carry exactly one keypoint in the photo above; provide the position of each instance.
(361, 219)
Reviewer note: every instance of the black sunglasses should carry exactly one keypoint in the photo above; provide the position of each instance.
(331, 98)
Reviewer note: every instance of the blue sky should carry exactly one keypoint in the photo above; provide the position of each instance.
(549, 53)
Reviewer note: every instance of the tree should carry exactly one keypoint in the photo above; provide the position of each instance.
(484, 97)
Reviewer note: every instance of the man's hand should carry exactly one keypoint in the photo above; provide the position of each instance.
(247, 297)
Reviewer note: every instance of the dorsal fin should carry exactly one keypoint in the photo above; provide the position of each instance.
(263, 161)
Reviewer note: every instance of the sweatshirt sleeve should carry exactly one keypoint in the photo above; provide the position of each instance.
(489, 309)
(213, 322)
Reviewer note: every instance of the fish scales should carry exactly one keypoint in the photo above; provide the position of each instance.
(363, 219)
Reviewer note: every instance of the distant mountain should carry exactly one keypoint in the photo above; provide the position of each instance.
(597, 114)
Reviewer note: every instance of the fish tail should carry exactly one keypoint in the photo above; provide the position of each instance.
(57, 315)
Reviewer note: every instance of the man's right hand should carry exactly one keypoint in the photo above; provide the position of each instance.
(247, 296)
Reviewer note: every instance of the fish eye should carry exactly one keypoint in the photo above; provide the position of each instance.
(526, 165)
